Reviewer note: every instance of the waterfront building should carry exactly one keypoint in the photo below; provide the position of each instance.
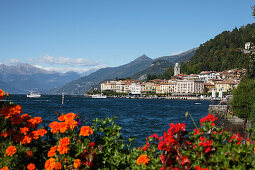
(156, 88)
(120, 87)
(208, 87)
(135, 89)
(190, 86)
(224, 85)
(177, 69)
(108, 85)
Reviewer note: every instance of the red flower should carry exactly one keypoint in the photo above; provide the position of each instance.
(154, 136)
(199, 168)
(207, 145)
(202, 138)
(185, 160)
(208, 118)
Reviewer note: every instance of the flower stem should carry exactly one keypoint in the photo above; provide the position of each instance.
(193, 120)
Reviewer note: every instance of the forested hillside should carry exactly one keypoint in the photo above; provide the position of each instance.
(223, 52)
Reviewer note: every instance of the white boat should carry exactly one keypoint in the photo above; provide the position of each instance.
(98, 96)
(34, 95)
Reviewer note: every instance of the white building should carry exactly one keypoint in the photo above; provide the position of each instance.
(135, 89)
(190, 86)
(206, 75)
(108, 85)
(177, 69)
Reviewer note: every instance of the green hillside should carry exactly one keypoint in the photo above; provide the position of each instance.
(222, 52)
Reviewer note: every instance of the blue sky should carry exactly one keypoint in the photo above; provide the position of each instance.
(79, 35)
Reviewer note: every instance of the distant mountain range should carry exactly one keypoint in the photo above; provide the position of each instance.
(137, 69)
(83, 84)
(24, 77)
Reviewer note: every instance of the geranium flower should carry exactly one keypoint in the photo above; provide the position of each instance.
(143, 159)
(4, 168)
(185, 160)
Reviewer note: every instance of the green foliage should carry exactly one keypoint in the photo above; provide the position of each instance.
(167, 74)
(114, 152)
(243, 98)
(223, 52)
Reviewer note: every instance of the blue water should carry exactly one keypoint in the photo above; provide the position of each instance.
(138, 118)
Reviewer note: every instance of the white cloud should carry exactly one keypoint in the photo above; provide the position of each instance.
(13, 61)
(47, 59)
(67, 69)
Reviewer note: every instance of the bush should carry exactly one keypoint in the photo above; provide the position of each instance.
(243, 98)
(71, 144)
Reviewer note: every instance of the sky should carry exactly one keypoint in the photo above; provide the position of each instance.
(80, 35)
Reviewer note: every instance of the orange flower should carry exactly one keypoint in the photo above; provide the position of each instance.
(26, 139)
(86, 131)
(11, 150)
(58, 165)
(25, 117)
(50, 164)
(70, 116)
(52, 151)
(64, 141)
(42, 132)
(77, 163)
(54, 127)
(4, 168)
(71, 124)
(16, 120)
(10, 111)
(142, 159)
(62, 127)
(33, 122)
(62, 118)
(1, 94)
(24, 130)
(63, 149)
(31, 166)
(29, 153)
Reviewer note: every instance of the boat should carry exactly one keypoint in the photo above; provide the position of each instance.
(33, 95)
(98, 96)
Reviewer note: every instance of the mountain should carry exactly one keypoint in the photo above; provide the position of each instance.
(160, 64)
(83, 84)
(223, 52)
(182, 57)
(22, 78)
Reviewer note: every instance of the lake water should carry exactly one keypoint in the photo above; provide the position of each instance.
(138, 118)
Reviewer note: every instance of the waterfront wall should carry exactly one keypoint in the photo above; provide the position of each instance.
(229, 121)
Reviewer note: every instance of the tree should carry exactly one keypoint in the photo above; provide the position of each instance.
(243, 99)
